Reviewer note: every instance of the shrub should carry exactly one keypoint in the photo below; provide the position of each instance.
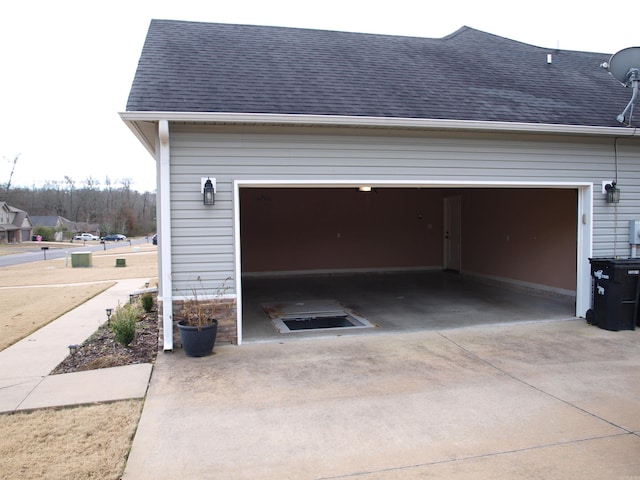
(123, 323)
(48, 234)
(147, 302)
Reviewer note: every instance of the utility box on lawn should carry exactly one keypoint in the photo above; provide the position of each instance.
(81, 259)
(615, 293)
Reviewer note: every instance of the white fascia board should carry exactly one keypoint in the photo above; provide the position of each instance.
(372, 122)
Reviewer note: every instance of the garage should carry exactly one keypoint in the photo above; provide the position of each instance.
(469, 189)
(407, 257)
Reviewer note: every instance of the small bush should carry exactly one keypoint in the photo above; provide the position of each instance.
(147, 302)
(48, 234)
(123, 323)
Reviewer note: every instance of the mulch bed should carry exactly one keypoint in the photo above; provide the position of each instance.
(102, 351)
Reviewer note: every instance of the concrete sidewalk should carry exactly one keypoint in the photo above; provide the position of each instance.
(25, 366)
(544, 400)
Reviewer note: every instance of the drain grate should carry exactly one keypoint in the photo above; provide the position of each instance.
(288, 317)
(313, 323)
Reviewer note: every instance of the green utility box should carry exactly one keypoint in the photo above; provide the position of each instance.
(121, 262)
(81, 259)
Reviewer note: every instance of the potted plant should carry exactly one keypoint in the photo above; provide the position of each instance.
(198, 324)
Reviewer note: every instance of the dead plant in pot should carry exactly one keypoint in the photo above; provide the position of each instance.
(198, 324)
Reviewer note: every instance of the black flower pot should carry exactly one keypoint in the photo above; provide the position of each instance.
(198, 341)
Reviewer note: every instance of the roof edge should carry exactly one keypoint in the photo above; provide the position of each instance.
(133, 117)
(135, 121)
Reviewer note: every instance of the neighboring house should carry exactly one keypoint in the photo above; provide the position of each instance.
(485, 156)
(65, 228)
(15, 224)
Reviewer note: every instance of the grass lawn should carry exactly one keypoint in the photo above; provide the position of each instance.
(84, 442)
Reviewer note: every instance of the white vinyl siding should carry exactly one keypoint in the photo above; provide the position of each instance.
(203, 237)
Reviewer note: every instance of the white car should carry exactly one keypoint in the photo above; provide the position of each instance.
(86, 236)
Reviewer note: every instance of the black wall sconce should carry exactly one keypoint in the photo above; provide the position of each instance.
(208, 191)
(613, 192)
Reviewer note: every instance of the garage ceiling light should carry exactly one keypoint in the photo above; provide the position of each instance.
(364, 189)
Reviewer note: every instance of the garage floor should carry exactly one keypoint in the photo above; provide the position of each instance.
(400, 302)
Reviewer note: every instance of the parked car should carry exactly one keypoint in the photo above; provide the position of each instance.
(86, 237)
(154, 239)
(116, 237)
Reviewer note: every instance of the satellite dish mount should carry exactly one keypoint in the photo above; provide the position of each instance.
(633, 76)
(625, 67)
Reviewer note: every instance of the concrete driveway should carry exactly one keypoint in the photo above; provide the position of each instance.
(544, 400)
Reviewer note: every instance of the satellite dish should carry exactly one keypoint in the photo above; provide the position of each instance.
(622, 63)
(625, 67)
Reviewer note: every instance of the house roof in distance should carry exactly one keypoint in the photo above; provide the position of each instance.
(468, 75)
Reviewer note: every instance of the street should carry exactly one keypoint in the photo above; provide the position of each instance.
(51, 253)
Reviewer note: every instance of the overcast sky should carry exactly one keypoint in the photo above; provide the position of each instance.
(67, 66)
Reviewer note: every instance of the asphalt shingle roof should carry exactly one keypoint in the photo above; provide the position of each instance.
(468, 75)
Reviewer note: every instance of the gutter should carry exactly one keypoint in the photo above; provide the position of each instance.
(131, 118)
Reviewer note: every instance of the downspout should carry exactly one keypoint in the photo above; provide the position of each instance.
(164, 243)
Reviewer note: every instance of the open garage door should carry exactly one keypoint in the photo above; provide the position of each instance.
(313, 239)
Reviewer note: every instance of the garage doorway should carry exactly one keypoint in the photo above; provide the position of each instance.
(305, 231)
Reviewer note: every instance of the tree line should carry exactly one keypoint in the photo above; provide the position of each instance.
(112, 205)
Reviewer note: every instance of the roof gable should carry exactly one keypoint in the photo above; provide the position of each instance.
(468, 75)
(17, 218)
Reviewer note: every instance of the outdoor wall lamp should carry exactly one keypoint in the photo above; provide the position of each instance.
(613, 192)
(208, 190)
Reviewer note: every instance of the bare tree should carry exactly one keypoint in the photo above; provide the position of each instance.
(13, 168)
(70, 184)
(117, 209)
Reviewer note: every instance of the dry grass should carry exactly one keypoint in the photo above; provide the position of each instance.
(34, 294)
(88, 442)
(141, 262)
(24, 312)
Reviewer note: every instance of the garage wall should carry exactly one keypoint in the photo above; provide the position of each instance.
(203, 238)
(524, 235)
(340, 228)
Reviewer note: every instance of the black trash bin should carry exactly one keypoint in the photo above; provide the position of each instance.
(615, 293)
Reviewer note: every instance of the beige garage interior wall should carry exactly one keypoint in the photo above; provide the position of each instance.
(529, 235)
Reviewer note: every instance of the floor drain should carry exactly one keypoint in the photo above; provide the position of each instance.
(313, 323)
(303, 316)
